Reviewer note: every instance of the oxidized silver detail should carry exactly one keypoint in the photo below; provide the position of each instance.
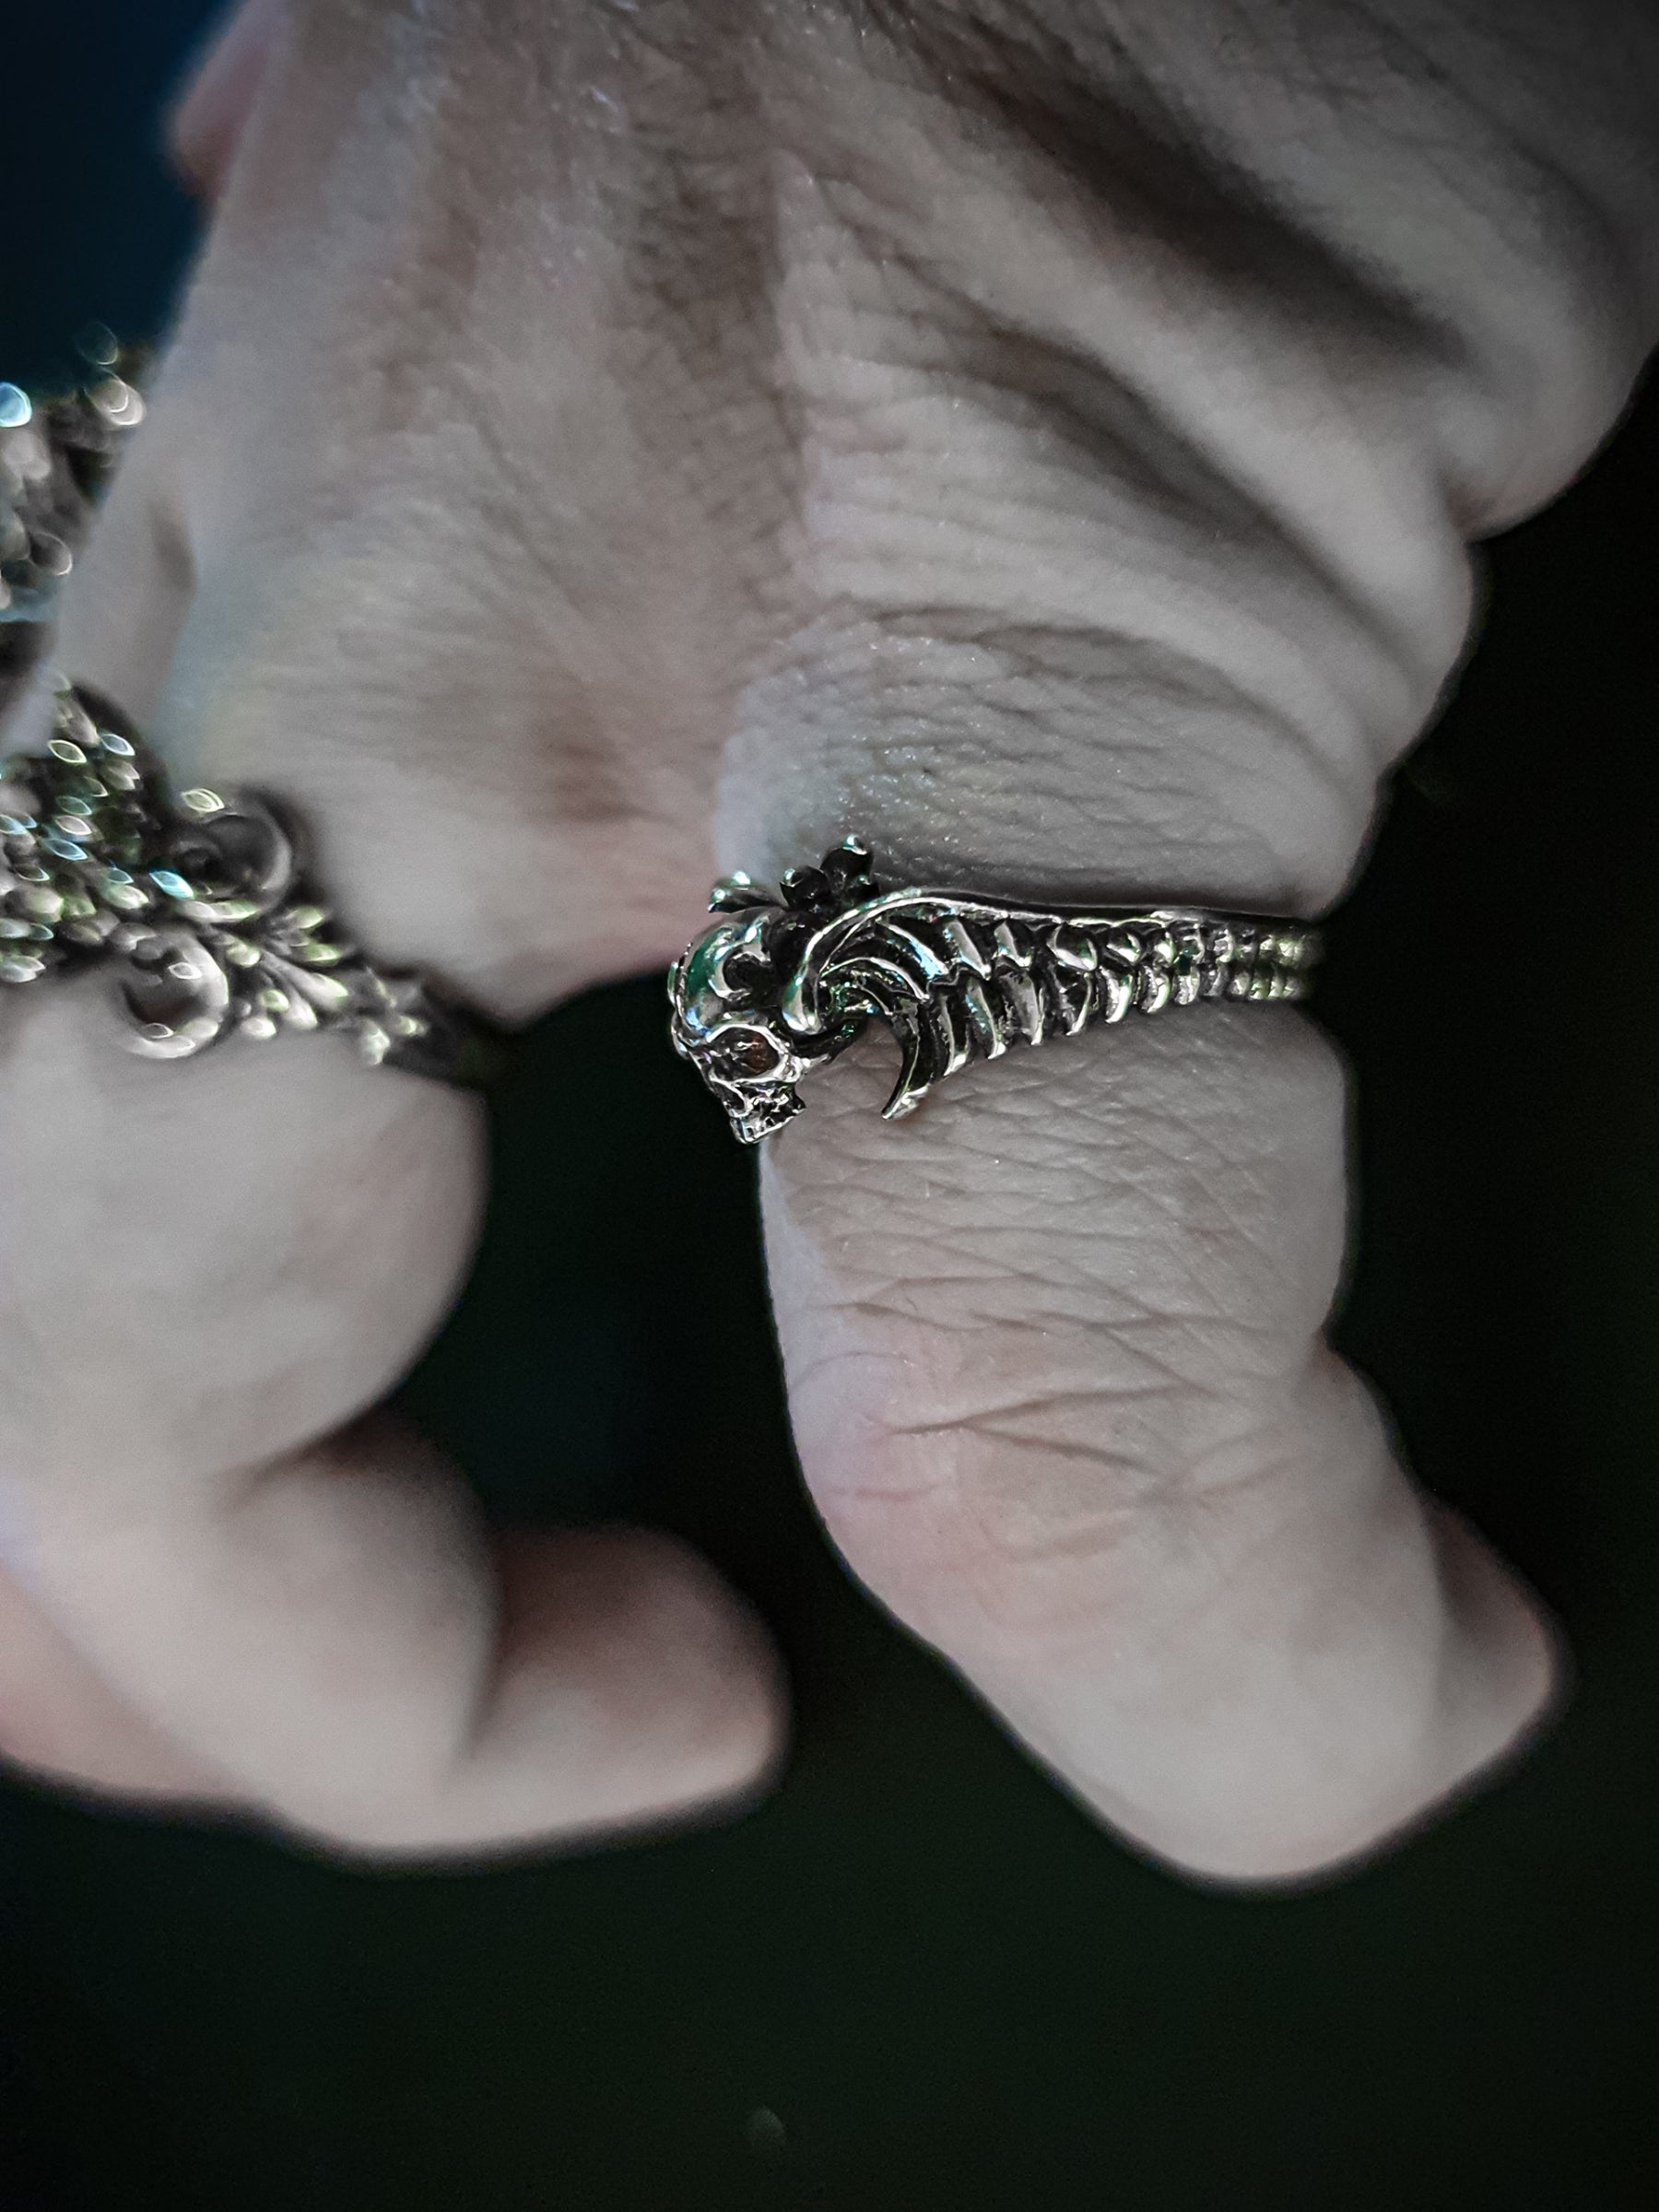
(200, 905)
(55, 456)
(783, 983)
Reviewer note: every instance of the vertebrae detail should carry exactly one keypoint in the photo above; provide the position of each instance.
(780, 983)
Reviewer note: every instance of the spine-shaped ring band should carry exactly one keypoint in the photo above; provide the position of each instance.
(780, 983)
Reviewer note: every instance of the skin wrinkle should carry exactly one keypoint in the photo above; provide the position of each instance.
(1197, 426)
(1030, 1290)
(1091, 404)
(1108, 1341)
(1024, 1282)
(945, 1382)
(1169, 1542)
(1123, 1326)
(1123, 1377)
(958, 715)
(1597, 237)
(931, 702)
(1295, 139)
(1503, 160)
(1126, 1326)
(1206, 214)
(1008, 1112)
(1131, 1513)
(1098, 497)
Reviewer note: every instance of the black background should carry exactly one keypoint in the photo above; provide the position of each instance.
(918, 1977)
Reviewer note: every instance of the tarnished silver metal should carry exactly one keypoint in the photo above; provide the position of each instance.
(782, 982)
(55, 455)
(198, 903)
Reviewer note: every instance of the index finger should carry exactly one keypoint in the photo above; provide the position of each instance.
(207, 1282)
(211, 1273)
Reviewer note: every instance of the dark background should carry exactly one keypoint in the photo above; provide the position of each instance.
(918, 1978)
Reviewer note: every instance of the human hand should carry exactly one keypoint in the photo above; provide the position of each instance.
(607, 446)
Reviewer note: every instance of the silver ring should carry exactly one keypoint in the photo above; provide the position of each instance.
(56, 454)
(199, 905)
(782, 982)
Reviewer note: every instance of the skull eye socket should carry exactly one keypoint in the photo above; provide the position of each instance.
(751, 1053)
(727, 968)
(746, 973)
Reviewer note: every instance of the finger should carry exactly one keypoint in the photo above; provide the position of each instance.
(581, 1624)
(1127, 560)
(337, 1638)
(1058, 1377)
(247, 1258)
(205, 1281)
(62, 1721)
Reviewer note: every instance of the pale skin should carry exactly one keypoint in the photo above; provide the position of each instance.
(606, 445)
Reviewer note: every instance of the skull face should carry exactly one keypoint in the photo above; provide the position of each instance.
(725, 994)
(753, 1073)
